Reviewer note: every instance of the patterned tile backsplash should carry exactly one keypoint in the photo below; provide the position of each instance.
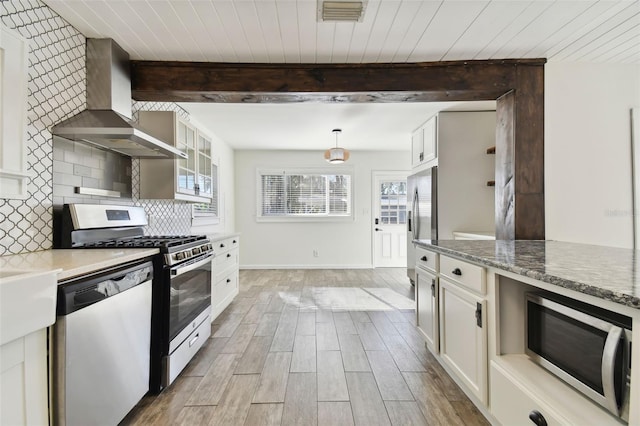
(56, 91)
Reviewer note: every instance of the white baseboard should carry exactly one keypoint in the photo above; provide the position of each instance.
(306, 266)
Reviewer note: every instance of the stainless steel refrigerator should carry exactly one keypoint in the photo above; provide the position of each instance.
(422, 223)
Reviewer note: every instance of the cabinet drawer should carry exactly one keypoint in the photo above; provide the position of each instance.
(221, 246)
(225, 285)
(511, 404)
(465, 274)
(426, 259)
(225, 261)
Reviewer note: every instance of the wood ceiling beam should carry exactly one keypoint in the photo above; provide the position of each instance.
(516, 84)
(223, 82)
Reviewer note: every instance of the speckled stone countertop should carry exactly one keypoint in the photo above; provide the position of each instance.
(604, 272)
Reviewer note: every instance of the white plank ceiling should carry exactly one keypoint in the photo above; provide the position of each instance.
(287, 31)
(279, 31)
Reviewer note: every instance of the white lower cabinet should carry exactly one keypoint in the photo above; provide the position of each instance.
(23, 380)
(225, 283)
(512, 404)
(463, 336)
(427, 307)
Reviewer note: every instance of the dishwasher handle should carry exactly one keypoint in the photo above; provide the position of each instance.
(84, 291)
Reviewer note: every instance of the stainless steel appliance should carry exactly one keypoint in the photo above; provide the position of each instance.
(106, 123)
(101, 342)
(181, 307)
(586, 346)
(422, 223)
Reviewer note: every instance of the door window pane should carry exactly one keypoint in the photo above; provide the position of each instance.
(393, 202)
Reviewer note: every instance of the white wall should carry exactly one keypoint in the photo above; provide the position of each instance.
(224, 155)
(465, 202)
(588, 152)
(285, 245)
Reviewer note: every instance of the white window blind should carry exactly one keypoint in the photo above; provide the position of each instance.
(294, 194)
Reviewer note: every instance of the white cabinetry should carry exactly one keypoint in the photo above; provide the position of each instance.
(463, 336)
(225, 281)
(424, 143)
(182, 179)
(426, 288)
(463, 324)
(23, 380)
(451, 307)
(512, 404)
(427, 307)
(14, 52)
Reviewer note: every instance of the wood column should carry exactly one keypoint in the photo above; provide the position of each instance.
(520, 158)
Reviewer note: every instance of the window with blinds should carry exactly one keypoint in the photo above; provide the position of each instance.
(300, 195)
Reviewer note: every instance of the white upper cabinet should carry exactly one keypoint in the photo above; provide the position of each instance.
(14, 52)
(187, 179)
(424, 144)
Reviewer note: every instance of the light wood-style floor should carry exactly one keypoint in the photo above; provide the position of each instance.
(313, 347)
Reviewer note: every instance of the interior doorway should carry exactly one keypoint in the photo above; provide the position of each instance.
(389, 225)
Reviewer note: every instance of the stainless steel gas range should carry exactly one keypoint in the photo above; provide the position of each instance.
(181, 290)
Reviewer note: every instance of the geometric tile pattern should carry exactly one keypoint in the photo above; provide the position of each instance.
(56, 91)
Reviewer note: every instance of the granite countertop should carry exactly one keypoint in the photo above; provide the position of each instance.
(605, 272)
(74, 262)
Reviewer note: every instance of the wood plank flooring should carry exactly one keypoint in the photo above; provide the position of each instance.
(313, 347)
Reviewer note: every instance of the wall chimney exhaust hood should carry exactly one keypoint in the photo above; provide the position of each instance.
(106, 123)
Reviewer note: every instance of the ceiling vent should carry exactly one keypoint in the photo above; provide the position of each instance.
(340, 11)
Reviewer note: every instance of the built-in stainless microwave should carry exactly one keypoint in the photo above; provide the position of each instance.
(586, 346)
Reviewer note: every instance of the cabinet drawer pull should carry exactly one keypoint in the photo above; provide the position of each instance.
(228, 280)
(221, 245)
(423, 258)
(234, 241)
(457, 271)
(537, 418)
(228, 254)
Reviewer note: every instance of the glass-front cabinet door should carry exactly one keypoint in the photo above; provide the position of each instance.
(186, 142)
(205, 187)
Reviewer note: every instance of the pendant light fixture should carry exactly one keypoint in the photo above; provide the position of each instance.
(336, 155)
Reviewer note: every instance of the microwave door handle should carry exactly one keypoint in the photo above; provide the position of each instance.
(184, 269)
(611, 347)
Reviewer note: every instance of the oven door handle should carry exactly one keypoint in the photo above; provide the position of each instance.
(179, 270)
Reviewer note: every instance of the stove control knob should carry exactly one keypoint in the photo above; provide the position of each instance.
(195, 251)
(179, 256)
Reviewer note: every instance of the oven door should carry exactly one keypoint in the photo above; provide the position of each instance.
(190, 292)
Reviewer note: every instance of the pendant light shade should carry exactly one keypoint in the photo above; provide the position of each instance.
(336, 155)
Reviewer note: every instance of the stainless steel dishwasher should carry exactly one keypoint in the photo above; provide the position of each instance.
(101, 345)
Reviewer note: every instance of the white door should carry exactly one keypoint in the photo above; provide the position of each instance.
(389, 219)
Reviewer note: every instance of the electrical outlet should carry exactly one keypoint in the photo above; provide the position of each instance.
(315, 253)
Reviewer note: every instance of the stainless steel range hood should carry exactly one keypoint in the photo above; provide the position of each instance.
(106, 123)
